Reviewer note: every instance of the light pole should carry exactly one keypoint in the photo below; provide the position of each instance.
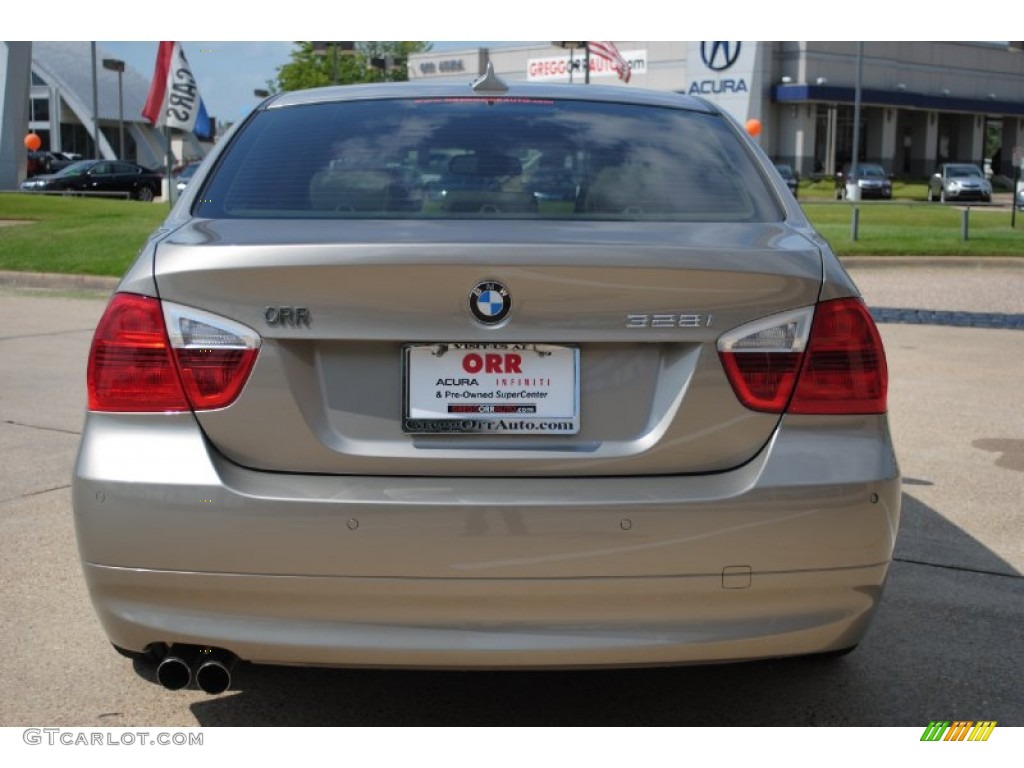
(571, 46)
(95, 104)
(321, 47)
(117, 65)
(853, 192)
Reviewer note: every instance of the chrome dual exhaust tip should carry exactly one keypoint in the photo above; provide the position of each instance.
(211, 668)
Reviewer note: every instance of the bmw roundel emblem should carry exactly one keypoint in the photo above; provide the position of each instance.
(490, 302)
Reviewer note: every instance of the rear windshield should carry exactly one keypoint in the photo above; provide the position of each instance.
(487, 158)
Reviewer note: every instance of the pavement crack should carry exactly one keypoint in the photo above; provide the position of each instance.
(964, 568)
(30, 494)
(13, 423)
(46, 333)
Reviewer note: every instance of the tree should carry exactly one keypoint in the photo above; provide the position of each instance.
(368, 63)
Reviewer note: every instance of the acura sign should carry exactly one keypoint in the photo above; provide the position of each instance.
(723, 72)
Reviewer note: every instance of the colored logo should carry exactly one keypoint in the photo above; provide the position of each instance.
(959, 730)
(490, 302)
(719, 55)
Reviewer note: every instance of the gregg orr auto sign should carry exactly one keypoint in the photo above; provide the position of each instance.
(556, 68)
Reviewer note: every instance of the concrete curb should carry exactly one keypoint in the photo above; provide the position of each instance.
(951, 262)
(58, 282)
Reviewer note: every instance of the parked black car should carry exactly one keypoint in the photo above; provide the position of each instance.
(100, 176)
(791, 177)
(871, 178)
(49, 162)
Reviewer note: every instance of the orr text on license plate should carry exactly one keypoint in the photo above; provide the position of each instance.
(488, 388)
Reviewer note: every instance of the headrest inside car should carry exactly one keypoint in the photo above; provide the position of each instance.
(485, 165)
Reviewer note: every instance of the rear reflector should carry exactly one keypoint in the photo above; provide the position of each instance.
(148, 356)
(833, 365)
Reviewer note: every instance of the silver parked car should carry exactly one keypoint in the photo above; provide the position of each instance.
(337, 419)
(959, 181)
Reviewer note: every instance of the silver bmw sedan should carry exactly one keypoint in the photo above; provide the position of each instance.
(484, 376)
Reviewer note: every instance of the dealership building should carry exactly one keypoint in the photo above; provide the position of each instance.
(922, 103)
(47, 88)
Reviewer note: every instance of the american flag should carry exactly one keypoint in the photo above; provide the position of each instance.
(607, 50)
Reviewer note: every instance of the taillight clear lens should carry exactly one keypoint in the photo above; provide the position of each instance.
(844, 370)
(834, 364)
(762, 359)
(151, 357)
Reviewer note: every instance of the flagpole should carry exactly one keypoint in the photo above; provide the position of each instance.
(95, 105)
(170, 185)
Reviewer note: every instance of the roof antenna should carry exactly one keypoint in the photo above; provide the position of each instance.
(489, 82)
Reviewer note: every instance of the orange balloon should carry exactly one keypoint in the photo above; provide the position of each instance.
(33, 142)
(753, 126)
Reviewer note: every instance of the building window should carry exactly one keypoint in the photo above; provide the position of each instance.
(74, 138)
(37, 80)
(39, 110)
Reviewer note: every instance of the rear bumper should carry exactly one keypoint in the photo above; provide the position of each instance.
(487, 623)
(785, 555)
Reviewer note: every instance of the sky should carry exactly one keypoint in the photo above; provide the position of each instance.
(227, 72)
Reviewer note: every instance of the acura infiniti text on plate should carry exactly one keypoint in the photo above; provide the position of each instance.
(376, 395)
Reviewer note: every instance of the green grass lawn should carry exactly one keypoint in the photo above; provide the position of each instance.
(905, 229)
(73, 234)
(825, 189)
(101, 237)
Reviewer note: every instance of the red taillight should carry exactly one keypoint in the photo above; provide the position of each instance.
(130, 365)
(763, 381)
(136, 365)
(213, 378)
(844, 367)
(833, 365)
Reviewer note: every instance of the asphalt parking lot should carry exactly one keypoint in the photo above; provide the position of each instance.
(946, 643)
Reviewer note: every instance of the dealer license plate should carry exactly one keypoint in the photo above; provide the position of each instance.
(527, 389)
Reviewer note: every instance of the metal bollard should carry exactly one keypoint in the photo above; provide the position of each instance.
(855, 223)
(963, 222)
